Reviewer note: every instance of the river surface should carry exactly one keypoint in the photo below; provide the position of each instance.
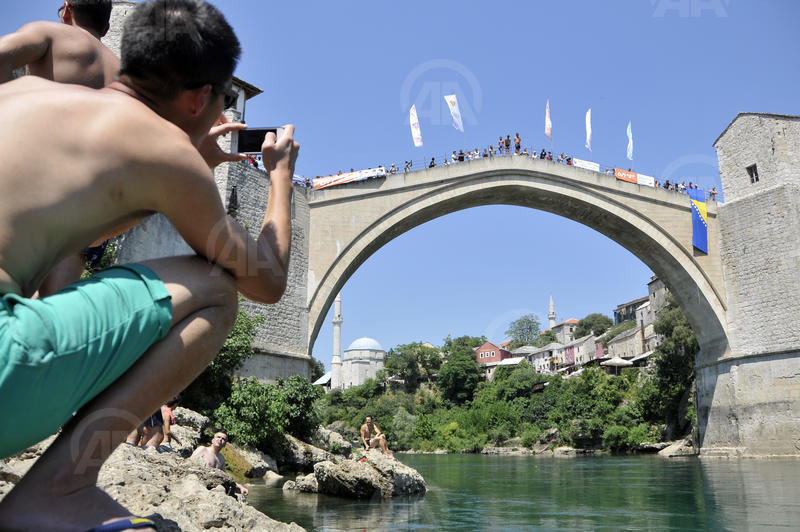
(494, 493)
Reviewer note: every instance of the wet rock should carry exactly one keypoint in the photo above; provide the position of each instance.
(300, 456)
(379, 476)
(679, 448)
(307, 483)
(256, 463)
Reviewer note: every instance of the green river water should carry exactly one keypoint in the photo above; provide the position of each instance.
(494, 493)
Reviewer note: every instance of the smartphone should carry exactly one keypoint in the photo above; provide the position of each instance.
(251, 139)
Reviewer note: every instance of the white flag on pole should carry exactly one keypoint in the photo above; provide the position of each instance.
(589, 129)
(452, 104)
(630, 142)
(416, 134)
(548, 125)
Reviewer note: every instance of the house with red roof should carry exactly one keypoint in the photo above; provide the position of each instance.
(489, 352)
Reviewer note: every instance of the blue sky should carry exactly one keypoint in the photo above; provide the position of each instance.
(346, 73)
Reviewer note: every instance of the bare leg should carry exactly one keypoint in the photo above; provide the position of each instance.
(384, 446)
(155, 438)
(59, 492)
(134, 437)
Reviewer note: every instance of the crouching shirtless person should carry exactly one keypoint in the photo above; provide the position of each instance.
(116, 346)
(212, 456)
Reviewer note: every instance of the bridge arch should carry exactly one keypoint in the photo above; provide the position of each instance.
(653, 224)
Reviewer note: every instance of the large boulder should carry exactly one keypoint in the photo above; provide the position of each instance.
(680, 448)
(253, 463)
(300, 456)
(378, 476)
(331, 441)
(189, 438)
(190, 418)
(187, 495)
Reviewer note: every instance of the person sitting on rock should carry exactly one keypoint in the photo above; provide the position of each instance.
(213, 458)
(372, 437)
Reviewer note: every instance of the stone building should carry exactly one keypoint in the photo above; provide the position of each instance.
(361, 361)
(627, 311)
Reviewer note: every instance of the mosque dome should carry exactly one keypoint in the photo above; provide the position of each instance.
(365, 344)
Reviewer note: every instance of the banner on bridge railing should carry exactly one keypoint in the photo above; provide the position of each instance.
(625, 175)
(349, 177)
(645, 180)
(588, 165)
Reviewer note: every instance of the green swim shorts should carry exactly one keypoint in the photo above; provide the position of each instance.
(59, 352)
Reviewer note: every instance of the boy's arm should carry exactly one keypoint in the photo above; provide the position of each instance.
(27, 45)
(188, 196)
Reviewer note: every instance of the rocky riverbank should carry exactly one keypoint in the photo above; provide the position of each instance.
(182, 494)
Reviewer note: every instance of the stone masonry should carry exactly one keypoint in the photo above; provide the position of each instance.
(750, 399)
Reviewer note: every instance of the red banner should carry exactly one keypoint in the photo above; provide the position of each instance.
(625, 175)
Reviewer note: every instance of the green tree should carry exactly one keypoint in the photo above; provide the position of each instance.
(546, 338)
(257, 414)
(459, 376)
(666, 396)
(524, 330)
(595, 323)
(464, 344)
(214, 385)
(317, 369)
(413, 363)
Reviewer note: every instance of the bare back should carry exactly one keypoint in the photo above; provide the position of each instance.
(81, 165)
(64, 53)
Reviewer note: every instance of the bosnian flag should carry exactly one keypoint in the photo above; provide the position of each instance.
(589, 129)
(452, 104)
(699, 219)
(416, 134)
(548, 125)
(630, 142)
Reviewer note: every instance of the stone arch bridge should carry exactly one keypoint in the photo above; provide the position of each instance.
(747, 373)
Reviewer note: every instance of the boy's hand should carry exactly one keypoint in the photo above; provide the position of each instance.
(209, 148)
(280, 154)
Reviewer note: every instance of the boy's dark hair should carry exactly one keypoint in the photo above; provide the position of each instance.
(92, 14)
(171, 45)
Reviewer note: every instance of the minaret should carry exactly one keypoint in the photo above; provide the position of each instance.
(336, 363)
(552, 314)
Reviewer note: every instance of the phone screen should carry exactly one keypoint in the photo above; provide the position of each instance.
(251, 139)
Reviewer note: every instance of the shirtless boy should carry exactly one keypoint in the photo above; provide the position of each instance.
(118, 345)
(212, 457)
(372, 437)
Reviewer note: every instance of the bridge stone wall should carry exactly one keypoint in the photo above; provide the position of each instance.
(750, 399)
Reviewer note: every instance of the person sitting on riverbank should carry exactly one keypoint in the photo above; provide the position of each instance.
(372, 437)
(212, 456)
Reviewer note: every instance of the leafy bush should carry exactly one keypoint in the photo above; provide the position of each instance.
(256, 415)
(615, 438)
(215, 383)
(530, 435)
(403, 426)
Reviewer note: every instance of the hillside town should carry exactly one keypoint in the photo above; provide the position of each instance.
(628, 343)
